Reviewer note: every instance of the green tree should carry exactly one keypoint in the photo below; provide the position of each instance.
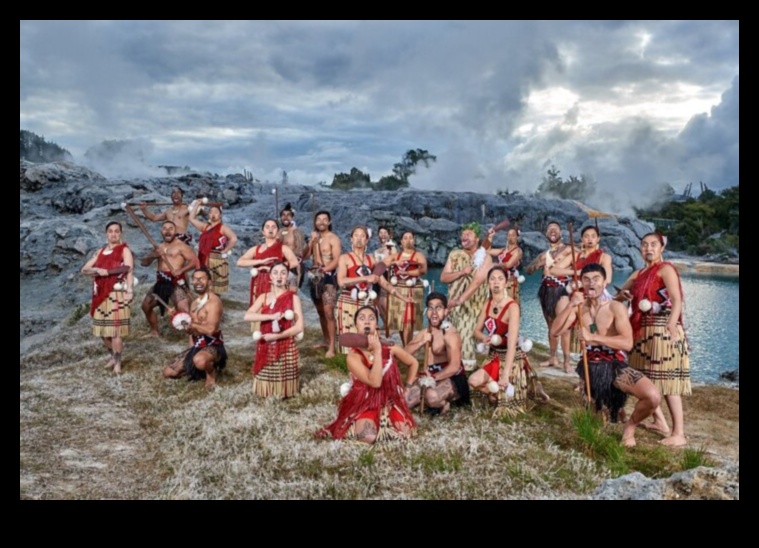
(36, 149)
(407, 166)
(355, 179)
(574, 188)
(390, 182)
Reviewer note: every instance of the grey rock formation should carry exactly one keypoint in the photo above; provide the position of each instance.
(702, 483)
(64, 209)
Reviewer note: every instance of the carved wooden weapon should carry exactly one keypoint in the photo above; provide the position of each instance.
(575, 279)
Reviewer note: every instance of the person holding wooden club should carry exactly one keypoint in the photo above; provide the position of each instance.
(607, 335)
(178, 213)
(175, 258)
(373, 407)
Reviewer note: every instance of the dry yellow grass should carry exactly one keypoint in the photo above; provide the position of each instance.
(87, 434)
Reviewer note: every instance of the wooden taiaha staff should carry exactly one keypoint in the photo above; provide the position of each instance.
(141, 226)
(487, 244)
(426, 361)
(575, 280)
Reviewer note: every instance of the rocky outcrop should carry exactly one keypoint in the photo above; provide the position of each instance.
(701, 483)
(64, 209)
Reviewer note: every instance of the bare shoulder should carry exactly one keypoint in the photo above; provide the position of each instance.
(451, 334)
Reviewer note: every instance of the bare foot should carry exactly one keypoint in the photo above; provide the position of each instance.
(110, 364)
(210, 385)
(628, 435)
(445, 408)
(568, 369)
(674, 441)
(117, 368)
(542, 393)
(330, 354)
(655, 427)
(550, 362)
(321, 344)
(150, 335)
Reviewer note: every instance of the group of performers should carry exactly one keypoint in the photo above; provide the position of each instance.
(354, 291)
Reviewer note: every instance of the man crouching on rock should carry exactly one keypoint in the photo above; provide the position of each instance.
(207, 355)
(607, 334)
(443, 356)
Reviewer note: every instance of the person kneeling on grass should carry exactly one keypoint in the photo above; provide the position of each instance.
(443, 355)
(374, 408)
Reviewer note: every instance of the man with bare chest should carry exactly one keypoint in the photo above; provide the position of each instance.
(606, 333)
(552, 287)
(207, 355)
(442, 347)
(293, 237)
(179, 214)
(175, 258)
(325, 249)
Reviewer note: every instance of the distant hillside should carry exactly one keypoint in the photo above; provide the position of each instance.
(35, 149)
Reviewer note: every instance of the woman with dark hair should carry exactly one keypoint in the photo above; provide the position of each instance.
(112, 269)
(505, 375)
(374, 407)
(510, 257)
(660, 347)
(280, 314)
(214, 245)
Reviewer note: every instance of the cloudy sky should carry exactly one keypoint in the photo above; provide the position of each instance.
(629, 103)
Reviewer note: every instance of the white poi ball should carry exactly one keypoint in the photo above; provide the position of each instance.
(273, 190)
(372, 295)
(655, 307)
(204, 200)
(481, 348)
(224, 255)
(629, 311)
(496, 340)
(425, 284)
(509, 390)
(118, 286)
(345, 388)
(410, 283)
(253, 272)
(362, 295)
(257, 335)
(299, 336)
(289, 314)
(445, 325)
(526, 345)
(493, 387)
(521, 279)
(644, 305)
(123, 205)
(136, 280)
(394, 280)
(181, 321)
